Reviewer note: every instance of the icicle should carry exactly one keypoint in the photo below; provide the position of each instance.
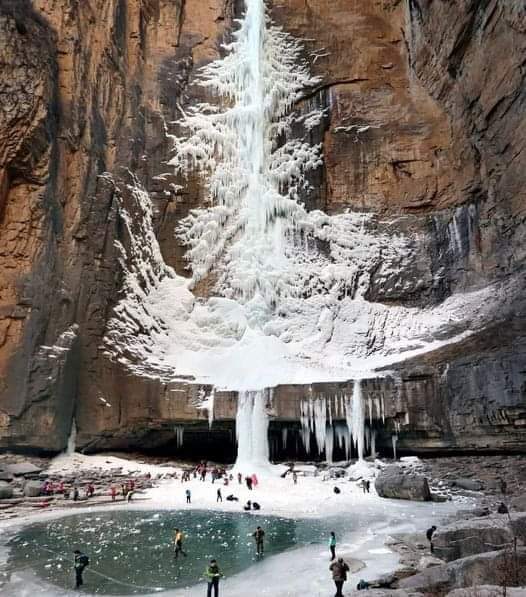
(252, 429)
(355, 418)
(320, 422)
(211, 401)
(179, 435)
(394, 441)
(329, 444)
(373, 443)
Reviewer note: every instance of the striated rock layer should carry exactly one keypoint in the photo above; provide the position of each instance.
(424, 128)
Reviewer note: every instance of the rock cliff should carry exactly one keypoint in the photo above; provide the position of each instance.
(424, 128)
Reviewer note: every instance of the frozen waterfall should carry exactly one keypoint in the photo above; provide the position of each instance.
(252, 430)
(72, 439)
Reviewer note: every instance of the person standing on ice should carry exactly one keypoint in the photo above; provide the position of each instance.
(259, 535)
(248, 481)
(295, 477)
(188, 496)
(339, 571)
(254, 480)
(178, 542)
(240, 478)
(81, 561)
(332, 545)
(219, 496)
(213, 574)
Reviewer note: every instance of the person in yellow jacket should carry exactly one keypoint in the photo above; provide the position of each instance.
(178, 540)
(213, 574)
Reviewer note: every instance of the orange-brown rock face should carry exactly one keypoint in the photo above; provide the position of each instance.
(424, 121)
(389, 144)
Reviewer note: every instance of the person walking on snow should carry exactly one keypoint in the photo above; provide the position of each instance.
(188, 496)
(259, 536)
(239, 478)
(213, 574)
(332, 545)
(254, 480)
(295, 477)
(219, 496)
(339, 571)
(248, 481)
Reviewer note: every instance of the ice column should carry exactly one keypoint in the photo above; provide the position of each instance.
(252, 429)
(358, 418)
(70, 449)
(179, 435)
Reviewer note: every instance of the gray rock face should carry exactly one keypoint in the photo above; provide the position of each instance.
(471, 537)
(393, 483)
(491, 567)
(32, 488)
(6, 490)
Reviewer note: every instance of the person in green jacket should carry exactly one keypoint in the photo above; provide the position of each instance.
(332, 545)
(213, 574)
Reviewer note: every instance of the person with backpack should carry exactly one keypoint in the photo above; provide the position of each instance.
(259, 535)
(80, 562)
(213, 574)
(339, 571)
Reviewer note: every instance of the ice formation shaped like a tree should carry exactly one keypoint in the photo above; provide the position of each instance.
(254, 175)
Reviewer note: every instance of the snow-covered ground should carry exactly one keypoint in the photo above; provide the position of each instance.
(302, 571)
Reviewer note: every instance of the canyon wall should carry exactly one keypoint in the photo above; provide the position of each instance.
(424, 128)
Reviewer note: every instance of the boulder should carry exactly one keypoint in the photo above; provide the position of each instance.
(517, 522)
(518, 503)
(427, 562)
(469, 537)
(383, 593)
(484, 568)
(23, 468)
(487, 591)
(469, 484)
(33, 488)
(6, 490)
(393, 483)
(5, 475)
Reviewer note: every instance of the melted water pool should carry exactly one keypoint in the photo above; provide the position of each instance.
(131, 552)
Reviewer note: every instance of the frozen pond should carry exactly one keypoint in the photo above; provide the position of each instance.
(131, 551)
